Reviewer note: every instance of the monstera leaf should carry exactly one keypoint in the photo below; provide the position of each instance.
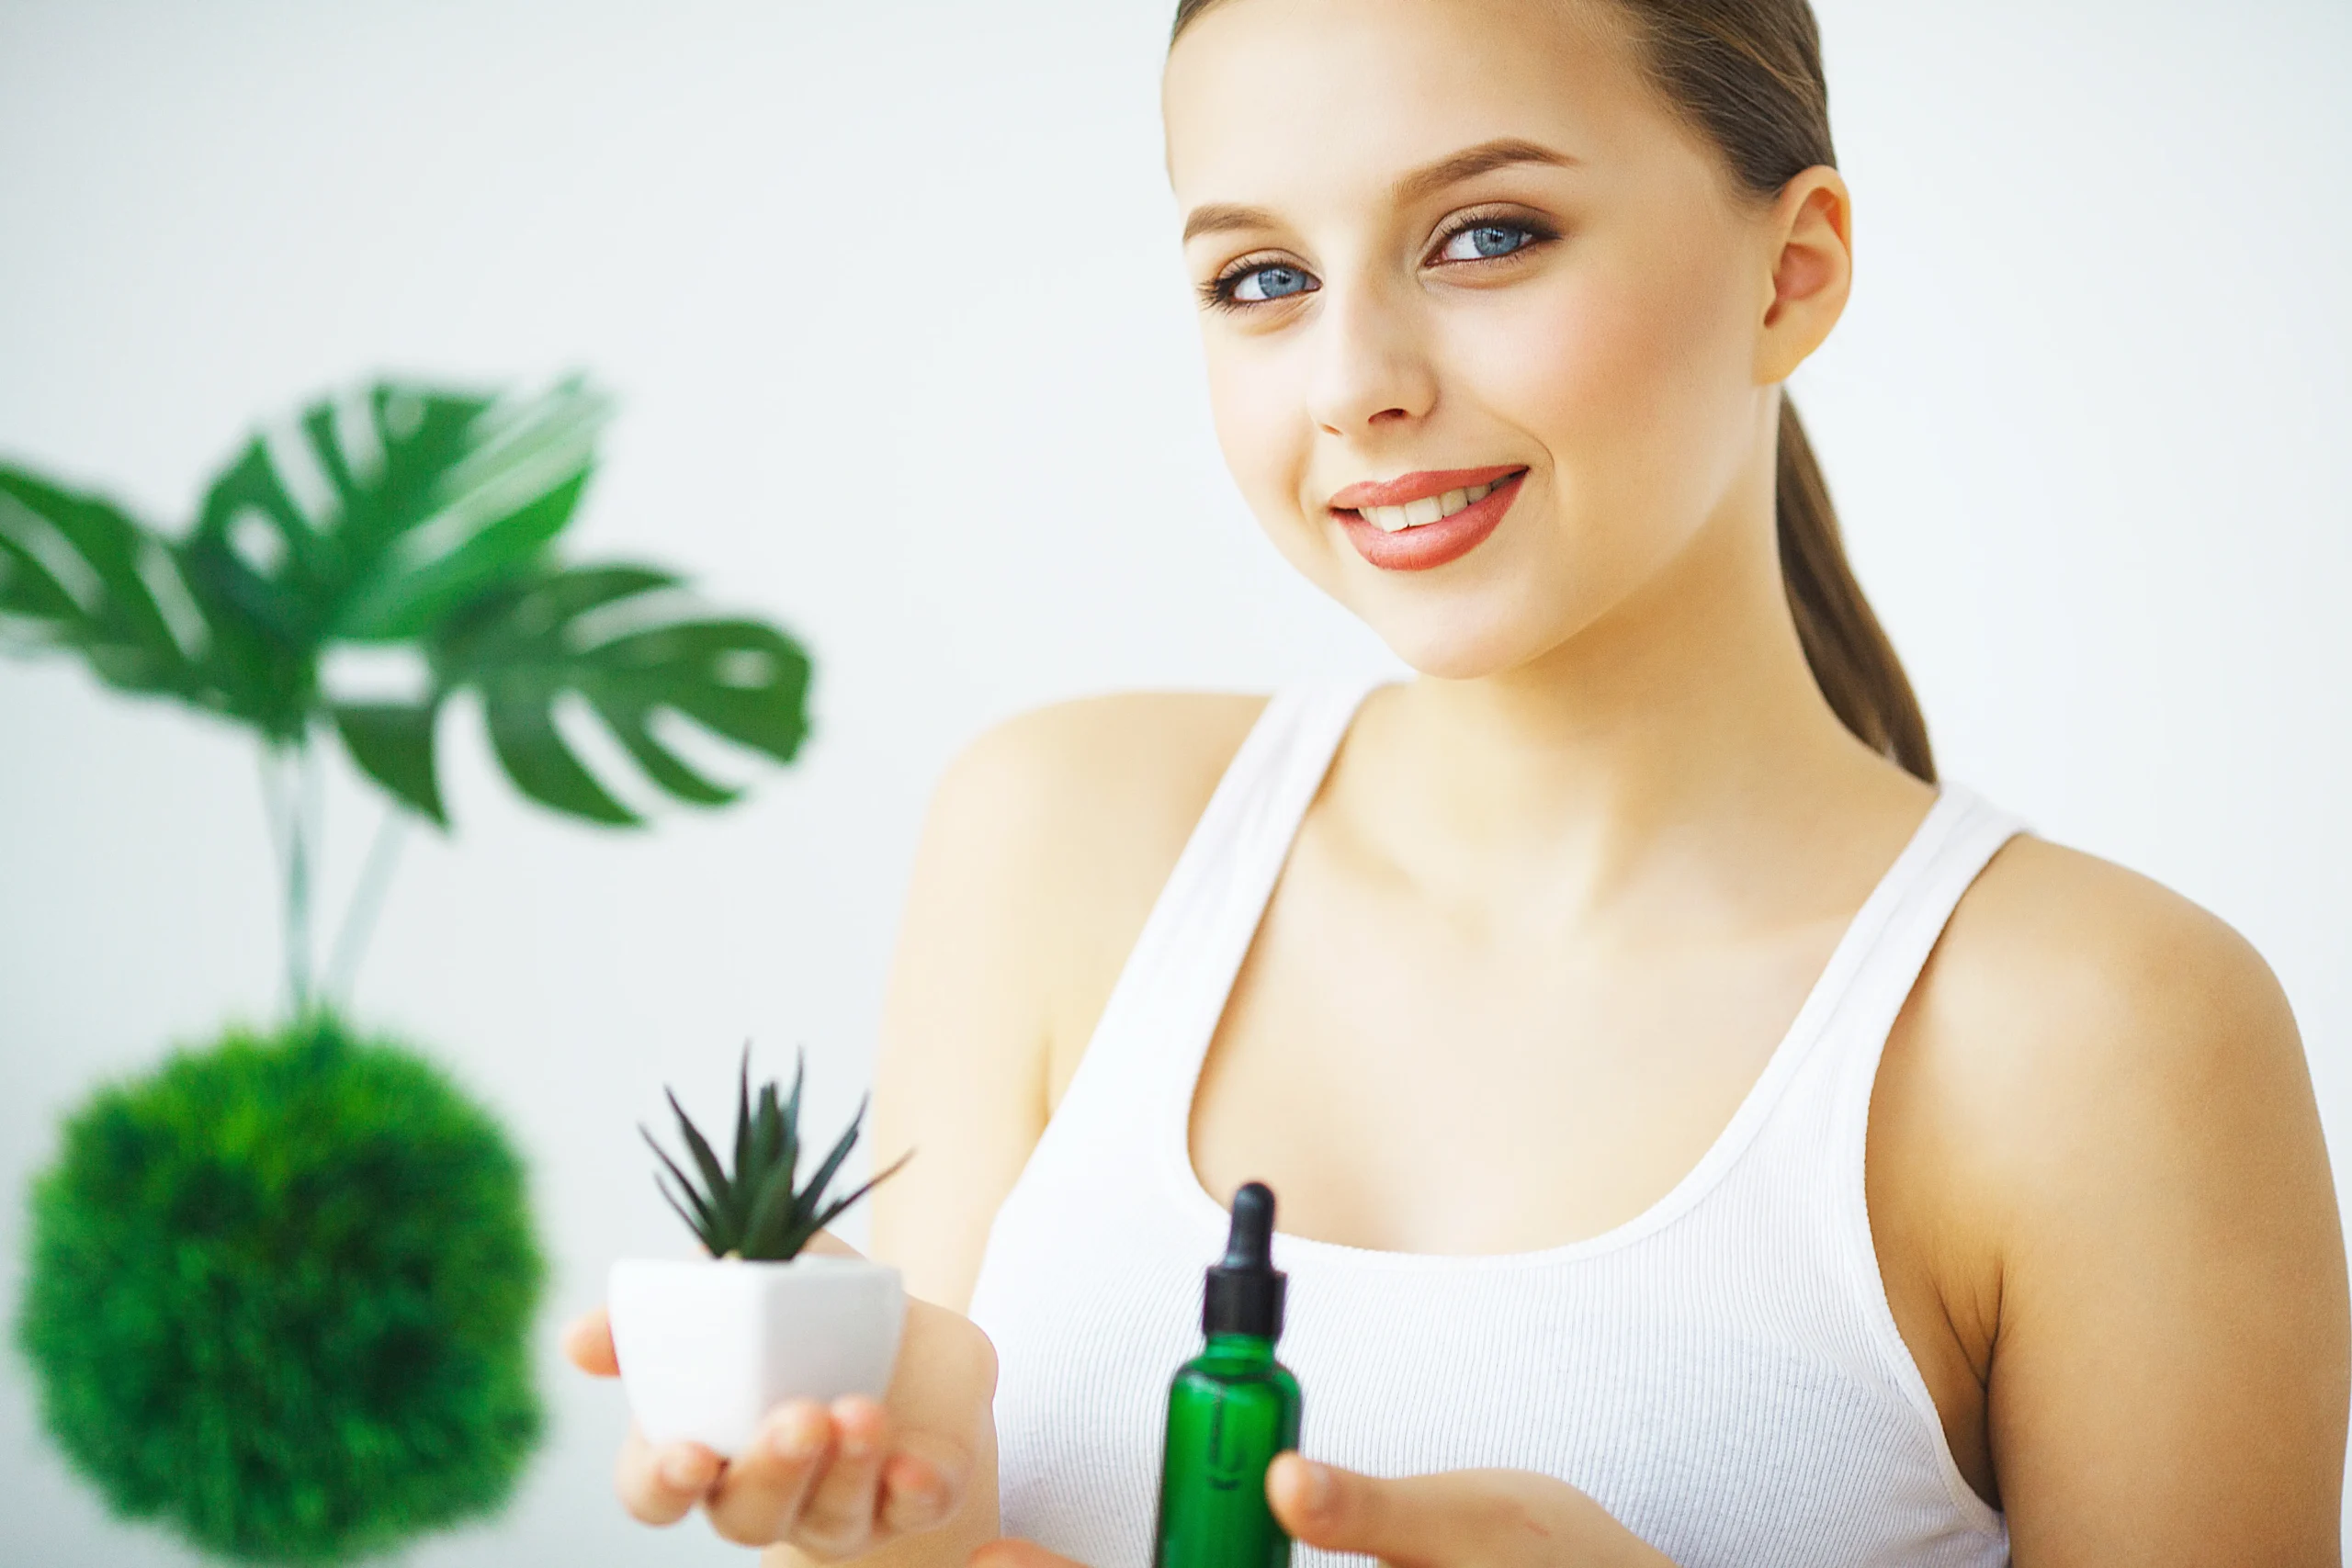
(403, 515)
(372, 522)
(77, 573)
(613, 637)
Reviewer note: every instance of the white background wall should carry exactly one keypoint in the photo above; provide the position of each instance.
(890, 295)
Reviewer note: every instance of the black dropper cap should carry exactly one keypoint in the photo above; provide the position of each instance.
(1245, 1292)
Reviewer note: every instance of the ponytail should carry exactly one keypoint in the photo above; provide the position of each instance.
(1853, 663)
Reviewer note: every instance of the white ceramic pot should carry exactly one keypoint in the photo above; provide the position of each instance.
(707, 1348)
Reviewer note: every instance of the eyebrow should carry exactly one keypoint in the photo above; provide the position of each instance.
(1214, 218)
(1472, 161)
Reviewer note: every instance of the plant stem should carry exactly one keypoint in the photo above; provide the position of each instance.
(366, 903)
(290, 795)
(273, 806)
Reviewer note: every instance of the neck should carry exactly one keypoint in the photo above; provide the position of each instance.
(1684, 726)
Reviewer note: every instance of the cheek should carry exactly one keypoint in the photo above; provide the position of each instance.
(1256, 398)
(1633, 372)
(1254, 414)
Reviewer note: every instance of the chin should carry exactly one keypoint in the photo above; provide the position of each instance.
(1515, 606)
(1462, 642)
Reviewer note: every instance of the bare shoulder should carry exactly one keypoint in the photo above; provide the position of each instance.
(2103, 1149)
(1120, 762)
(2081, 1029)
(1047, 839)
(2095, 985)
(1097, 794)
(1096, 797)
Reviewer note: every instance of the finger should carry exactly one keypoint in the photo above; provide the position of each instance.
(828, 1243)
(1411, 1521)
(1016, 1554)
(659, 1485)
(588, 1341)
(916, 1495)
(838, 1517)
(757, 1500)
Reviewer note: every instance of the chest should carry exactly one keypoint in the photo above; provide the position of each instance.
(1411, 1078)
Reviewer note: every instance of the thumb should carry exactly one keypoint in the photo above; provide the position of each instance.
(1016, 1554)
(588, 1341)
(1408, 1521)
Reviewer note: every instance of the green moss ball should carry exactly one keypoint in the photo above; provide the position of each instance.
(279, 1294)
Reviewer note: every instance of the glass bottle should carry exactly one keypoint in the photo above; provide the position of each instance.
(1230, 1410)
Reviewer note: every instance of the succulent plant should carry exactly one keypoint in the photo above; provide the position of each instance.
(756, 1213)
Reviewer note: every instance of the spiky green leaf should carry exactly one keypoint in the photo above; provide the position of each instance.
(712, 1242)
(757, 1211)
(706, 1221)
(814, 1192)
(744, 1112)
(722, 1194)
(764, 1232)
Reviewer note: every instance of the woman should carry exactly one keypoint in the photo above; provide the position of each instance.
(1700, 1139)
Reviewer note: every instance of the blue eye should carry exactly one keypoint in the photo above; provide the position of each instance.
(1261, 284)
(1483, 242)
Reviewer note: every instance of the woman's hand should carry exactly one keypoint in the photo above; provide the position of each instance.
(831, 1480)
(1458, 1519)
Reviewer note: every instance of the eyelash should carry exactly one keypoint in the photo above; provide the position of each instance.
(1217, 293)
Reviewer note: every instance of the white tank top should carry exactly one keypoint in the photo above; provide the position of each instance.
(1721, 1371)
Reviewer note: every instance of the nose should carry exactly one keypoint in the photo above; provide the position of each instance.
(1372, 367)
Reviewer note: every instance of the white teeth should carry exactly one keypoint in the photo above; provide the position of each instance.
(1428, 509)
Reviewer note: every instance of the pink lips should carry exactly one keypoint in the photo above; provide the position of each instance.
(1417, 487)
(1426, 544)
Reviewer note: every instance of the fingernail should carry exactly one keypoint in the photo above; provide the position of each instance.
(857, 1428)
(797, 1437)
(682, 1469)
(1315, 1488)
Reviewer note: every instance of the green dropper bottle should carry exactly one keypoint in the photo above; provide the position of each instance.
(1230, 1410)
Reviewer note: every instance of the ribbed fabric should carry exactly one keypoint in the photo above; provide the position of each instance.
(1721, 1371)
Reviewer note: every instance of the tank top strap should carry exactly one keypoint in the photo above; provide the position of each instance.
(1173, 990)
(1884, 955)
(1818, 1159)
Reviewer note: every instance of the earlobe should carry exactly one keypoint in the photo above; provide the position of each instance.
(1812, 268)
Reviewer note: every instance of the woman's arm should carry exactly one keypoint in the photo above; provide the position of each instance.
(2096, 1129)
(912, 1480)
(960, 1079)
(961, 1073)
(1046, 840)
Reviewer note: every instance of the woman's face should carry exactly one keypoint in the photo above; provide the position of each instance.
(1443, 246)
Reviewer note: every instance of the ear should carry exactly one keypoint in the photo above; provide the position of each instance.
(1810, 240)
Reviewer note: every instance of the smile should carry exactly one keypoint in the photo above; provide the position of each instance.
(1428, 509)
(1425, 519)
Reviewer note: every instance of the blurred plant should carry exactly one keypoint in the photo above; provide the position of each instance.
(279, 1297)
(400, 518)
(756, 1213)
(279, 1292)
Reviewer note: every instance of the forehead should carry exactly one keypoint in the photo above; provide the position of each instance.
(1265, 98)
